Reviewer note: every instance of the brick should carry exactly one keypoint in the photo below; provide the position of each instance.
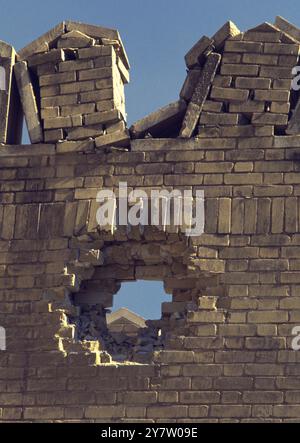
(85, 108)
(267, 317)
(60, 100)
(54, 79)
(97, 73)
(281, 48)
(231, 411)
(49, 91)
(252, 83)
(243, 46)
(53, 56)
(50, 112)
(120, 138)
(73, 88)
(269, 119)
(272, 95)
(28, 102)
(229, 94)
(240, 69)
(199, 95)
(275, 72)
(95, 51)
(205, 397)
(95, 96)
(247, 106)
(75, 65)
(84, 132)
(167, 411)
(260, 59)
(256, 36)
(208, 118)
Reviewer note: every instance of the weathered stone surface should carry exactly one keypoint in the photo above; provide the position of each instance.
(158, 122)
(10, 112)
(199, 95)
(193, 56)
(119, 138)
(28, 102)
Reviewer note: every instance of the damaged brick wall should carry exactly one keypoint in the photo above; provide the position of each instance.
(224, 352)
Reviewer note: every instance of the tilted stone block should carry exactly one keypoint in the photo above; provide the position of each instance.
(158, 122)
(199, 95)
(28, 102)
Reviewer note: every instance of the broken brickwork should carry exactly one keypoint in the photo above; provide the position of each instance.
(222, 350)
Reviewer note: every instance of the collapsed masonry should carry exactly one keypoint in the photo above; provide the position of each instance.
(238, 84)
(224, 351)
(71, 83)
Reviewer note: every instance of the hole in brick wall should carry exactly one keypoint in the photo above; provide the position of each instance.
(129, 318)
(2, 79)
(142, 297)
(149, 280)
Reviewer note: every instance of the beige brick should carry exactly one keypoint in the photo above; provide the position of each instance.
(272, 95)
(260, 59)
(85, 108)
(229, 94)
(240, 69)
(59, 100)
(267, 317)
(54, 79)
(97, 73)
(279, 48)
(252, 83)
(73, 88)
(266, 118)
(248, 106)
(224, 220)
(275, 72)
(75, 65)
(239, 46)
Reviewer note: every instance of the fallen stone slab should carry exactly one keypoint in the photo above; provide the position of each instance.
(28, 102)
(158, 122)
(120, 138)
(199, 96)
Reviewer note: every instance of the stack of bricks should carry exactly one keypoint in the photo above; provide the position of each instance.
(237, 85)
(253, 87)
(79, 85)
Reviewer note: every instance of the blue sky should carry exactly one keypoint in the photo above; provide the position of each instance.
(156, 35)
